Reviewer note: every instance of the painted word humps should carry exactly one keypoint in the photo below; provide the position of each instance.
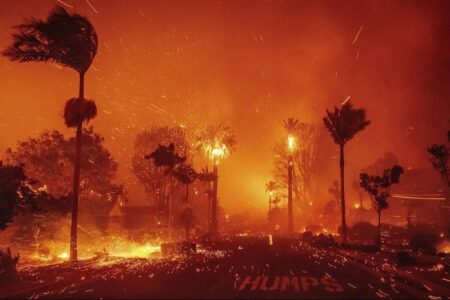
(289, 283)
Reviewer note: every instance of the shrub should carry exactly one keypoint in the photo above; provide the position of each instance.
(425, 243)
(403, 258)
(307, 236)
(322, 240)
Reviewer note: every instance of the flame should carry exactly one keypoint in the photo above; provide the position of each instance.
(291, 142)
(64, 255)
(216, 152)
(115, 246)
(444, 247)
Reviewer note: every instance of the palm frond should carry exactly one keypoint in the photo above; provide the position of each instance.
(77, 110)
(345, 122)
(68, 39)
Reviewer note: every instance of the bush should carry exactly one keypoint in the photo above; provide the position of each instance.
(8, 266)
(425, 243)
(363, 231)
(322, 240)
(403, 258)
(307, 236)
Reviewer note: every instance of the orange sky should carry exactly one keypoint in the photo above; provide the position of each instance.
(248, 64)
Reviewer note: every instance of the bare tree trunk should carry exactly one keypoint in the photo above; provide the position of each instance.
(379, 228)
(187, 203)
(344, 224)
(76, 180)
(170, 212)
(290, 211)
(270, 208)
(209, 207)
(214, 225)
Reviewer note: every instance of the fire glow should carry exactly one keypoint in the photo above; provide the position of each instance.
(115, 247)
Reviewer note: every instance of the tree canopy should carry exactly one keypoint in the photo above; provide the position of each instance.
(50, 157)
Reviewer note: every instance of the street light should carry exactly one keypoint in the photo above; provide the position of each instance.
(291, 148)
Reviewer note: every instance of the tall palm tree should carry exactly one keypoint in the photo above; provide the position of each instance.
(292, 127)
(217, 142)
(343, 124)
(69, 40)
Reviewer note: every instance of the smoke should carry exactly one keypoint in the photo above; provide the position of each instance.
(248, 65)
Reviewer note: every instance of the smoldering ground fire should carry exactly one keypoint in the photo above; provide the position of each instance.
(225, 148)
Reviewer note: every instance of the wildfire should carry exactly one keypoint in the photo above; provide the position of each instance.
(291, 142)
(63, 255)
(444, 247)
(216, 152)
(113, 247)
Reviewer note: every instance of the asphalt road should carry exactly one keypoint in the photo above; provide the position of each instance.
(241, 267)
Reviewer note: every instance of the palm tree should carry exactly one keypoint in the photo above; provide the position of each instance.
(69, 40)
(292, 127)
(343, 124)
(217, 143)
(165, 156)
(185, 174)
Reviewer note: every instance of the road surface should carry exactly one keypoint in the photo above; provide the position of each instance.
(238, 267)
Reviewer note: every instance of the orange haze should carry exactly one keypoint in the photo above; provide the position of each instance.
(247, 64)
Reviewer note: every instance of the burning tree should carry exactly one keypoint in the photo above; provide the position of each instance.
(217, 143)
(343, 124)
(69, 40)
(379, 188)
(311, 158)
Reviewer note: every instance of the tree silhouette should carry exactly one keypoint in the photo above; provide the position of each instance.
(217, 143)
(292, 126)
(379, 188)
(16, 193)
(440, 157)
(311, 158)
(165, 156)
(343, 124)
(69, 40)
(49, 158)
(153, 178)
